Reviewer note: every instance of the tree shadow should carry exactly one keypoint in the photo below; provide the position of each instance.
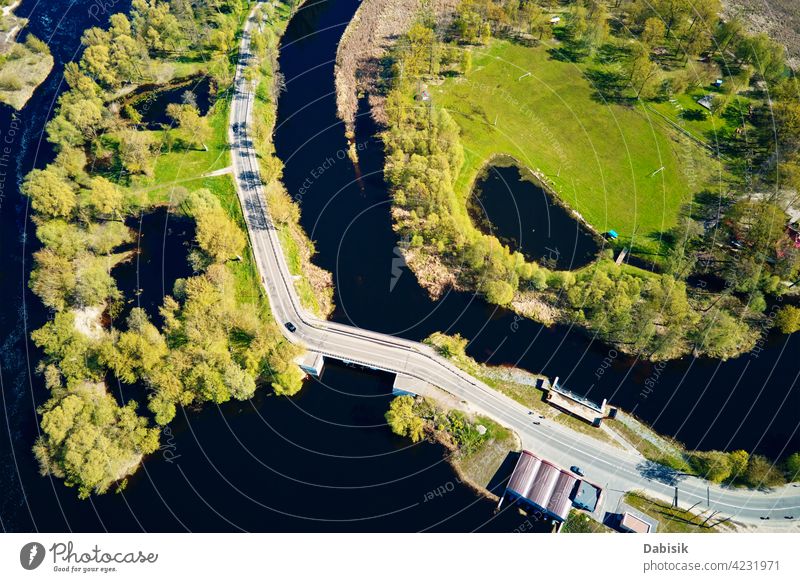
(659, 472)
(611, 53)
(608, 84)
(694, 114)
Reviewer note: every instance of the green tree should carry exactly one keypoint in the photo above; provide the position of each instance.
(194, 129)
(712, 465)
(739, 460)
(218, 236)
(792, 467)
(104, 197)
(51, 193)
(654, 31)
(402, 419)
(499, 292)
(643, 72)
(762, 474)
(766, 56)
(90, 441)
(136, 151)
(788, 319)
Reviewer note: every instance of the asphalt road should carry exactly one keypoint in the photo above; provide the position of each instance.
(616, 470)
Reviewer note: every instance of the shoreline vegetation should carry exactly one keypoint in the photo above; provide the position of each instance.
(476, 445)
(444, 86)
(734, 468)
(23, 66)
(363, 48)
(214, 338)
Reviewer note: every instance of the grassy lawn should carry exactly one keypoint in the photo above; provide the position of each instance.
(181, 164)
(579, 522)
(599, 157)
(671, 519)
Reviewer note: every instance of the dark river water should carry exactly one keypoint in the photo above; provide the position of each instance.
(324, 460)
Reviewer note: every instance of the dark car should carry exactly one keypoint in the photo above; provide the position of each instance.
(290, 326)
(576, 470)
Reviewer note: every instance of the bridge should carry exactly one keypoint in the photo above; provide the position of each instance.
(616, 470)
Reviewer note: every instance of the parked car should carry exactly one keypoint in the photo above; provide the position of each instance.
(576, 470)
(290, 326)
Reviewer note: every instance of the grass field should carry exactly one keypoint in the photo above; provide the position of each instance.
(600, 158)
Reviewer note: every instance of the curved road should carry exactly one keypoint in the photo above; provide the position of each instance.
(615, 470)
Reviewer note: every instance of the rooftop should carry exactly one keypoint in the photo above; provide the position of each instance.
(543, 485)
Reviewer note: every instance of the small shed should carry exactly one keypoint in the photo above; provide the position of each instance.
(555, 20)
(633, 524)
(706, 101)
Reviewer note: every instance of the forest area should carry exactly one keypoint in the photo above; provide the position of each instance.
(218, 340)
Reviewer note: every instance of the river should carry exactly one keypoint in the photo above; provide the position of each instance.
(323, 460)
(751, 402)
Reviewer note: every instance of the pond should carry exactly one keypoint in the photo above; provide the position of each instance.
(161, 247)
(152, 104)
(507, 202)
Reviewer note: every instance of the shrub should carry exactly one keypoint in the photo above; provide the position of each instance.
(10, 82)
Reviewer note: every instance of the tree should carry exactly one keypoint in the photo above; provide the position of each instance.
(193, 128)
(499, 292)
(712, 465)
(53, 279)
(104, 197)
(654, 31)
(89, 440)
(135, 151)
(739, 460)
(642, 71)
(728, 33)
(762, 474)
(767, 57)
(51, 193)
(536, 19)
(68, 349)
(217, 235)
(720, 334)
(402, 419)
(788, 319)
(792, 466)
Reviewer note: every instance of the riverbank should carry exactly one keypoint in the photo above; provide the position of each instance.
(23, 66)
(624, 431)
(314, 285)
(360, 56)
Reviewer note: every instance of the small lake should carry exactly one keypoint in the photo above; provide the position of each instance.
(509, 204)
(162, 242)
(152, 105)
